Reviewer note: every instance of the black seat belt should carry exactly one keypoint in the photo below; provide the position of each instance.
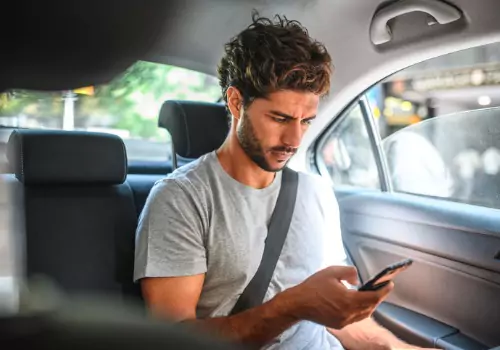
(254, 293)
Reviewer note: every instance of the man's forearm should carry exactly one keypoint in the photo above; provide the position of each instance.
(256, 326)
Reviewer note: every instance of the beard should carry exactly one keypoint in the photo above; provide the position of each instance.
(252, 146)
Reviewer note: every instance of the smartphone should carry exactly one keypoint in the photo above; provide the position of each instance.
(386, 275)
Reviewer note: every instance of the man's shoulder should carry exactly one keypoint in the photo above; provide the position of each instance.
(314, 188)
(315, 182)
(189, 178)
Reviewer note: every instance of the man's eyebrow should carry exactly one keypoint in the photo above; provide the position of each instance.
(284, 115)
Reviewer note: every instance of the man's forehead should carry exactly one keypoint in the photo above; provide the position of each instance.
(284, 101)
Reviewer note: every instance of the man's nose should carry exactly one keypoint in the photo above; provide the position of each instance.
(293, 134)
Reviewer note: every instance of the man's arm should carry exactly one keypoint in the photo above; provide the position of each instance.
(176, 297)
(322, 298)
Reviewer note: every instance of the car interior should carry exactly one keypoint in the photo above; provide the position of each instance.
(75, 194)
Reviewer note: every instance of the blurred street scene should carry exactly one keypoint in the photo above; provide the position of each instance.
(439, 123)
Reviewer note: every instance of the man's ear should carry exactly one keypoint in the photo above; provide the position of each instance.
(234, 102)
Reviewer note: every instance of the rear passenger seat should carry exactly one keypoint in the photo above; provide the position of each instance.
(196, 127)
(80, 216)
(80, 213)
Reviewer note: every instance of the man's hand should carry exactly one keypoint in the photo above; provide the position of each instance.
(324, 299)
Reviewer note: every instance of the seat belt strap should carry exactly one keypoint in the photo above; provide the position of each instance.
(254, 293)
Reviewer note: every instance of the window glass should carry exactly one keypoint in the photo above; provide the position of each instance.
(439, 123)
(454, 156)
(347, 154)
(128, 106)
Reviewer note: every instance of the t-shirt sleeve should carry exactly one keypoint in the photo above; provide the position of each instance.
(334, 253)
(170, 235)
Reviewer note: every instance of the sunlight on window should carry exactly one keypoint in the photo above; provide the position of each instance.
(128, 106)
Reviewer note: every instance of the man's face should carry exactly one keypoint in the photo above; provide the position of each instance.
(271, 129)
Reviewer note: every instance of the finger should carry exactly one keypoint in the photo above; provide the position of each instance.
(365, 303)
(384, 292)
(366, 308)
(365, 299)
(374, 297)
(345, 273)
(363, 315)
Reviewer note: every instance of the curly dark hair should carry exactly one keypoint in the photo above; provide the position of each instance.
(269, 56)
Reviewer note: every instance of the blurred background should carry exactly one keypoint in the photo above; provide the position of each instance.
(127, 106)
(455, 156)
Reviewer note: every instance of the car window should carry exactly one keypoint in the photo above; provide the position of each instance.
(455, 156)
(347, 154)
(438, 125)
(128, 106)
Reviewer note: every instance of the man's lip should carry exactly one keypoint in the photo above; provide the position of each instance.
(282, 155)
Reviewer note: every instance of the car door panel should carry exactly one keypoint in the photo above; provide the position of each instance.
(422, 330)
(412, 326)
(455, 278)
(458, 341)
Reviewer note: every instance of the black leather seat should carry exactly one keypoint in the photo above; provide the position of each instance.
(196, 128)
(80, 215)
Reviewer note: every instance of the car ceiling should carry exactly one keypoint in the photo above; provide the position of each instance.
(192, 34)
(200, 29)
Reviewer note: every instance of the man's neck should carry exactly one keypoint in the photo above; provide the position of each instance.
(240, 167)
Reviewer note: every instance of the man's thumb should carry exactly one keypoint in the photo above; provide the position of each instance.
(345, 273)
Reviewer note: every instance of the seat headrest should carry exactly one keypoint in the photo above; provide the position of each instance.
(42, 157)
(196, 128)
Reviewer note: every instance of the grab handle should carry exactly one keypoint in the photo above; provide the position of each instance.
(380, 32)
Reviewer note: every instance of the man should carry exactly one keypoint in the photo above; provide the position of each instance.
(202, 232)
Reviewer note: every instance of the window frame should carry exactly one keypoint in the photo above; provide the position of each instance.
(376, 143)
(316, 163)
(378, 153)
(315, 151)
(373, 136)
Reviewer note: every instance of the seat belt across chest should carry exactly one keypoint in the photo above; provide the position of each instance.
(255, 291)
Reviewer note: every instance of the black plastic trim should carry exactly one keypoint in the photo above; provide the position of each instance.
(412, 327)
(383, 171)
(460, 341)
(423, 331)
(140, 167)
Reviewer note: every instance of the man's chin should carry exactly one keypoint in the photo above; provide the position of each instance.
(274, 168)
(270, 166)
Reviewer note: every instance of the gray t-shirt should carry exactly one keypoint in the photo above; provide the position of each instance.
(201, 220)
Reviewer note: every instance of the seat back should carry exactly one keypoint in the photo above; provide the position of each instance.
(196, 128)
(141, 185)
(80, 216)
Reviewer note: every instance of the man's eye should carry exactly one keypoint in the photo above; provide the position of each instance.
(279, 120)
(307, 121)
